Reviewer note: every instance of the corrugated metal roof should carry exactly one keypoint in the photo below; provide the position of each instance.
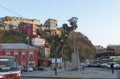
(16, 46)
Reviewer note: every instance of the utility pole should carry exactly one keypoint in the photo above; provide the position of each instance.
(116, 53)
(28, 37)
(77, 57)
(73, 23)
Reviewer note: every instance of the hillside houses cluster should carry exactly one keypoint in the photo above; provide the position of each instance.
(30, 28)
(8, 21)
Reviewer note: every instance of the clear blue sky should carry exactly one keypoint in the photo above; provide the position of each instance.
(99, 20)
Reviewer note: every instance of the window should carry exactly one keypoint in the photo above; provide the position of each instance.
(31, 54)
(7, 53)
(16, 54)
(23, 54)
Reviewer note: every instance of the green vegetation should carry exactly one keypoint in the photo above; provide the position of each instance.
(117, 61)
(13, 37)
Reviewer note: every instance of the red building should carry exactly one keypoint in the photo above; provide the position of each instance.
(28, 29)
(26, 55)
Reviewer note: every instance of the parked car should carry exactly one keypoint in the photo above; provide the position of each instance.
(24, 69)
(41, 68)
(29, 69)
(93, 64)
(117, 66)
(107, 65)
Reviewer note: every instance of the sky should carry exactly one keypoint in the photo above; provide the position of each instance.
(99, 20)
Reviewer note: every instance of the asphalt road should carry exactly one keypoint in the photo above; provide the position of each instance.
(87, 73)
(52, 78)
(39, 78)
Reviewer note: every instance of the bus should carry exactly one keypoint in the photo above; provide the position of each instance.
(9, 68)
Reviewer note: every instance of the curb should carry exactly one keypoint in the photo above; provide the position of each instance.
(55, 77)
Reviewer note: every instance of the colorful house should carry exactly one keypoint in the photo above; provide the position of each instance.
(26, 55)
(28, 29)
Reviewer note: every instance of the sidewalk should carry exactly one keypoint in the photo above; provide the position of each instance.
(87, 73)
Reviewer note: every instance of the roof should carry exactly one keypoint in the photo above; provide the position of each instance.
(8, 57)
(16, 46)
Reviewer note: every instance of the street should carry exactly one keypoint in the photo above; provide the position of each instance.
(86, 73)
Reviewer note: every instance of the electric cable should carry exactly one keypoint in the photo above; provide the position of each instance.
(10, 10)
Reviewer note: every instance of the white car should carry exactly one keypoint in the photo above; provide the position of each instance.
(29, 69)
(116, 66)
(107, 65)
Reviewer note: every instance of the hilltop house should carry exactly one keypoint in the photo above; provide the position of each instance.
(28, 29)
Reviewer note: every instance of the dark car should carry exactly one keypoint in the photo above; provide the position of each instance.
(24, 69)
(94, 65)
(41, 68)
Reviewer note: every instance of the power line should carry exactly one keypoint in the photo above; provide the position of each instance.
(10, 10)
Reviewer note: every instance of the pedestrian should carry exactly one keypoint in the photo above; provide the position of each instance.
(112, 67)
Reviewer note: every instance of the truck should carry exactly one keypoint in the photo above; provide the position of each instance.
(9, 68)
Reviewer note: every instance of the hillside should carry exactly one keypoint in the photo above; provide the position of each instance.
(82, 43)
(85, 47)
(12, 37)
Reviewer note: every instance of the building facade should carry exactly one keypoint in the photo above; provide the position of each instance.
(15, 21)
(111, 52)
(28, 29)
(26, 55)
(51, 24)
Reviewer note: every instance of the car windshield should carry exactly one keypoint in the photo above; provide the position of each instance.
(7, 65)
